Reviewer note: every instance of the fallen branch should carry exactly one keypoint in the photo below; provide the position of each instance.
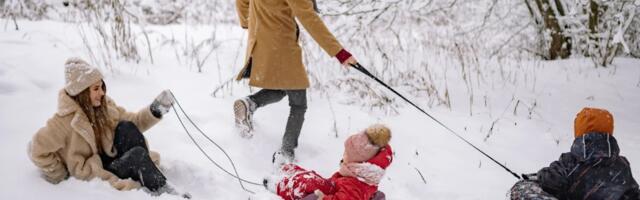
(13, 17)
(490, 132)
(421, 176)
(224, 85)
(333, 113)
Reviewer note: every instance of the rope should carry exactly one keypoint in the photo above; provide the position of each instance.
(366, 72)
(236, 175)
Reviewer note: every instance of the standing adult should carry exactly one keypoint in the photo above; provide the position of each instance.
(273, 61)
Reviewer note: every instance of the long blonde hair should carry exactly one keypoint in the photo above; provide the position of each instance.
(98, 116)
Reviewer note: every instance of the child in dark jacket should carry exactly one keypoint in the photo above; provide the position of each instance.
(593, 169)
(367, 154)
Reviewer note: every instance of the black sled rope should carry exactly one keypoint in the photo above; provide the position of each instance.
(366, 72)
(234, 175)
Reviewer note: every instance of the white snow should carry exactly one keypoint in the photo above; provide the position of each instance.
(32, 73)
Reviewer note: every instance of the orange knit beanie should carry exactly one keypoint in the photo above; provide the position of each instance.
(591, 120)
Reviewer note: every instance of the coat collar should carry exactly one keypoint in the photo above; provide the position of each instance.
(66, 104)
(79, 122)
(595, 145)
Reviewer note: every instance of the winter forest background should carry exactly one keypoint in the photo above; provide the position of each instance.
(507, 74)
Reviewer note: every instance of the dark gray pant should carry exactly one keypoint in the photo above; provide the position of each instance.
(298, 105)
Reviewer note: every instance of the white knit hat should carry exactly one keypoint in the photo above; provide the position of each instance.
(79, 75)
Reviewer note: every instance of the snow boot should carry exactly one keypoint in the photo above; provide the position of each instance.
(137, 165)
(243, 110)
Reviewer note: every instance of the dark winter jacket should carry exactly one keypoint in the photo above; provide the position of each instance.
(592, 170)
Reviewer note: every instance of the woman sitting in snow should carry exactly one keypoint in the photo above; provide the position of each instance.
(592, 170)
(91, 137)
(366, 156)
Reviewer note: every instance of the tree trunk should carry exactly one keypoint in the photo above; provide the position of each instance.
(560, 44)
(593, 17)
(593, 21)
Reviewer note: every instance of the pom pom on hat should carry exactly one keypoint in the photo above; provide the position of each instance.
(378, 134)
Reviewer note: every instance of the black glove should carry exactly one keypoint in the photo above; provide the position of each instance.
(530, 177)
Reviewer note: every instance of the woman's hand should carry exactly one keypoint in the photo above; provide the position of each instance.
(350, 61)
(345, 58)
(319, 194)
(162, 104)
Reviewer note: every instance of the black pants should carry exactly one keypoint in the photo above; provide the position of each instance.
(298, 105)
(132, 158)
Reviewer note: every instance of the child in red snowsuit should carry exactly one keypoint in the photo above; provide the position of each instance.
(367, 154)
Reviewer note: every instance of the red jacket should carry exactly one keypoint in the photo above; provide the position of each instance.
(299, 182)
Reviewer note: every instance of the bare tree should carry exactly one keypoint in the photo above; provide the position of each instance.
(594, 28)
(546, 14)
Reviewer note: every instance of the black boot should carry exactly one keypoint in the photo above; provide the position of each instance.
(137, 165)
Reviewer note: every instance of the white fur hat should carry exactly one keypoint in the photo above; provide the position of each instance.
(79, 75)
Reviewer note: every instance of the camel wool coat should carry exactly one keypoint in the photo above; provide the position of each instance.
(273, 57)
(66, 146)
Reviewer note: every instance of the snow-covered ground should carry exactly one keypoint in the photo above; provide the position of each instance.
(31, 74)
